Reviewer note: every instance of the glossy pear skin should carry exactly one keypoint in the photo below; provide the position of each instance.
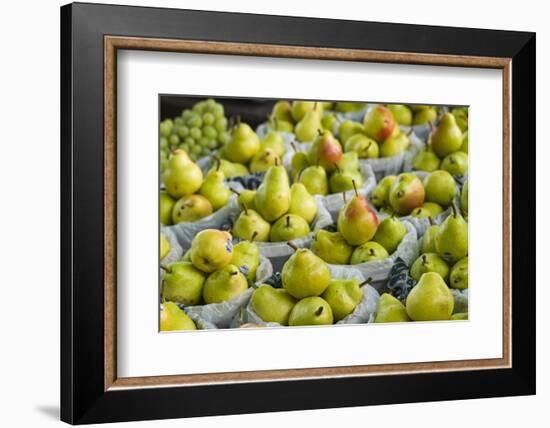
(390, 233)
(429, 262)
(211, 250)
(272, 304)
(331, 247)
(164, 246)
(213, 188)
(304, 274)
(428, 240)
(451, 241)
(426, 160)
(250, 223)
(246, 256)
(243, 145)
(191, 208)
(430, 299)
(273, 196)
(458, 277)
(455, 163)
(314, 178)
(289, 227)
(379, 123)
(325, 151)
(368, 252)
(380, 194)
(182, 177)
(311, 311)
(440, 188)
(183, 284)
(447, 137)
(224, 284)
(302, 203)
(343, 295)
(406, 193)
(357, 222)
(172, 318)
(389, 309)
(166, 204)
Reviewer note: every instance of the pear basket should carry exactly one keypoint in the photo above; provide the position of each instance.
(379, 270)
(363, 313)
(222, 315)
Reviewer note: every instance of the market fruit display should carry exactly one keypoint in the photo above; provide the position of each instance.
(244, 199)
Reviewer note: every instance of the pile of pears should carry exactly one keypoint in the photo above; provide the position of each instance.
(360, 236)
(213, 270)
(303, 118)
(324, 168)
(309, 296)
(276, 211)
(188, 196)
(447, 147)
(406, 194)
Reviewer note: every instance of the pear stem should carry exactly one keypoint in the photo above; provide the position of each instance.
(409, 132)
(431, 220)
(454, 208)
(293, 144)
(245, 208)
(336, 166)
(424, 261)
(355, 187)
(253, 236)
(319, 131)
(218, 163)
(166, 269)
(276, 161)
(344, 197)
(287, 221)
(236, 192)
(292, 245)
(366, 281)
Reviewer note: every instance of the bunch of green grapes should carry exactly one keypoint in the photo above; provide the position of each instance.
(199, 131)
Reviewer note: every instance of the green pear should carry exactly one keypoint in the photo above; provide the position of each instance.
(314, 178)
(263, 160)
(328, 121)
(406, 193)
(183, 283)
(427, 210)
(281, 125)
(394, 145)
(389, 309)
(349, 162)
(426, 160)
(342, 180)
(273, 196)
(224, 284)
(348, 128)
(429, 262)
(430, 299)
(213, 188)
(302, 203)
(331, 247)
(343, 295)
(307, 129)
(447, 137)
(211, 250)
(461, 117)
(172, 318)
(191, 208)
(348, 107)
(166, 204)
(246, 256)
(304, 274)
(451, 241)
(464, 199)
(440, 188)
(455, 163)
(464, 147)
(311, 311)
(380, 195)
(460, 316)
(249, 223)
(289, 227)
(182, 177)
(164, 246)
(365, 147)
(428, 240)
(273, 141)
(298, 163)
(357, 222)
(243, 145)
(272, 304)
(245, 198)
(187, 256)
(390, 233)
(282, 110)
(368, 252)
(379, 123)
(300, 109)
(458, 277)
(231, 169)
(425, 115)
(401, 113)
(325, 151)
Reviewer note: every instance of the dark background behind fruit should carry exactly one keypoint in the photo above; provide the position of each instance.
(252, 110)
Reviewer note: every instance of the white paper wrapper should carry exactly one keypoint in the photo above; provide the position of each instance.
(379, 270)
(363, 313)
(461, 300)
(186, 231)
(223, 315)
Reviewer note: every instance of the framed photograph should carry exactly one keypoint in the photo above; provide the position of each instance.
(266, 213)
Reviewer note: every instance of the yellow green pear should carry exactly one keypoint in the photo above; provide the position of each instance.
(172, 318)
(272, 304)
(427, 210)
(389, 309)
(390, 233)
(343, 296)
(224, 284)
(440, 188)
(458, 278)
(164, 246)
(273, 196)
(182, 283)
(314, 178)
(275, 142)
(357, 222)
(302, 203)
(181, 177)
(331, 247)
(166, 204)
(211, 250)
(447, 137)
(246, 256)
(289, 227)
(430, 299)
(250, 224)
(213, 188)
(265, 159)
(191, 208)
(380, 195)
(243, 145)
(451, 241)
(368, 252)
(429, 262)
(304, 274)
(307, 128)
(311, 311)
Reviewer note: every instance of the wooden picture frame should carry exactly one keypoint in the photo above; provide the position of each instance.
(91, 390)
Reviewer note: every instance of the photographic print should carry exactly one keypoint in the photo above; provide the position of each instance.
(286, 213)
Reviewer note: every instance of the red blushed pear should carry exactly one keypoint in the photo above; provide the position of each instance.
(379, 123)
(325, 151)
(406, 193)
(357, 222)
